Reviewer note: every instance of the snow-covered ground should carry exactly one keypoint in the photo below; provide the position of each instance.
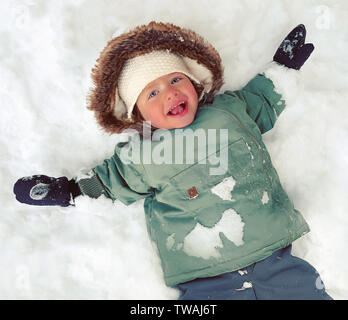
(100, 250)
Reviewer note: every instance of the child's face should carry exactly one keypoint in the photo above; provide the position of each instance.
(169, 101)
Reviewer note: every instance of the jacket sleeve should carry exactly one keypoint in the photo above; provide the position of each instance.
(263, 104)
(115, 180)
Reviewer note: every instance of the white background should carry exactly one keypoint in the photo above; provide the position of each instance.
(100, 250)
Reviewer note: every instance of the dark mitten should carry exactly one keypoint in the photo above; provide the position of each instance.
(293, 52)
(40, 190)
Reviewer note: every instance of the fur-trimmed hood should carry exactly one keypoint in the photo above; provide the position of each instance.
(201, 56)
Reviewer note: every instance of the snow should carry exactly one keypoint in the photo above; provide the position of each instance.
(39, 191)
(242, 272)
(251, 155)
(265, 197)
(170, 241)
(101, 250)
(230, 224)
(224, 188)
(83, 173)
(246, 285)
(287, 48)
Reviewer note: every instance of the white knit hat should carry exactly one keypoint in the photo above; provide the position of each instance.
(143, 69)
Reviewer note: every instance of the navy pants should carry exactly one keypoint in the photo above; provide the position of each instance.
(278, 277)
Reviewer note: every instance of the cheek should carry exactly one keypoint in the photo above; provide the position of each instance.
(153, 112)
(191, 91)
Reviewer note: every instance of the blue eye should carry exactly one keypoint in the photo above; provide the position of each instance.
(176, 78)
(152, 94)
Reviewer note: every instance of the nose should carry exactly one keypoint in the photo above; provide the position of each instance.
(172, 93)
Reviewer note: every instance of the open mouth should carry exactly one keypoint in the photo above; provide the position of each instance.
(179, 110)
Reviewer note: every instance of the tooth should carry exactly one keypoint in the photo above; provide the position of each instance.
(179, 104)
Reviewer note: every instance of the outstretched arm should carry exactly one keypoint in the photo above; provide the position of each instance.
(116, 180)
(113, 179)
(263, 103)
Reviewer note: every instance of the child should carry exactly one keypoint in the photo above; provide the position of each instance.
(221, 233)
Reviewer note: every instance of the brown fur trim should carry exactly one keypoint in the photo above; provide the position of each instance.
(141, 40)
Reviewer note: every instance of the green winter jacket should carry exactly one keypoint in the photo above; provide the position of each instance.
(207, 224)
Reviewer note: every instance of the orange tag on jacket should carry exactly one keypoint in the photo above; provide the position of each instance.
(192, 192)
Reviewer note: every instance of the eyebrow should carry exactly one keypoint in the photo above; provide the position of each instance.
(149, 87)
